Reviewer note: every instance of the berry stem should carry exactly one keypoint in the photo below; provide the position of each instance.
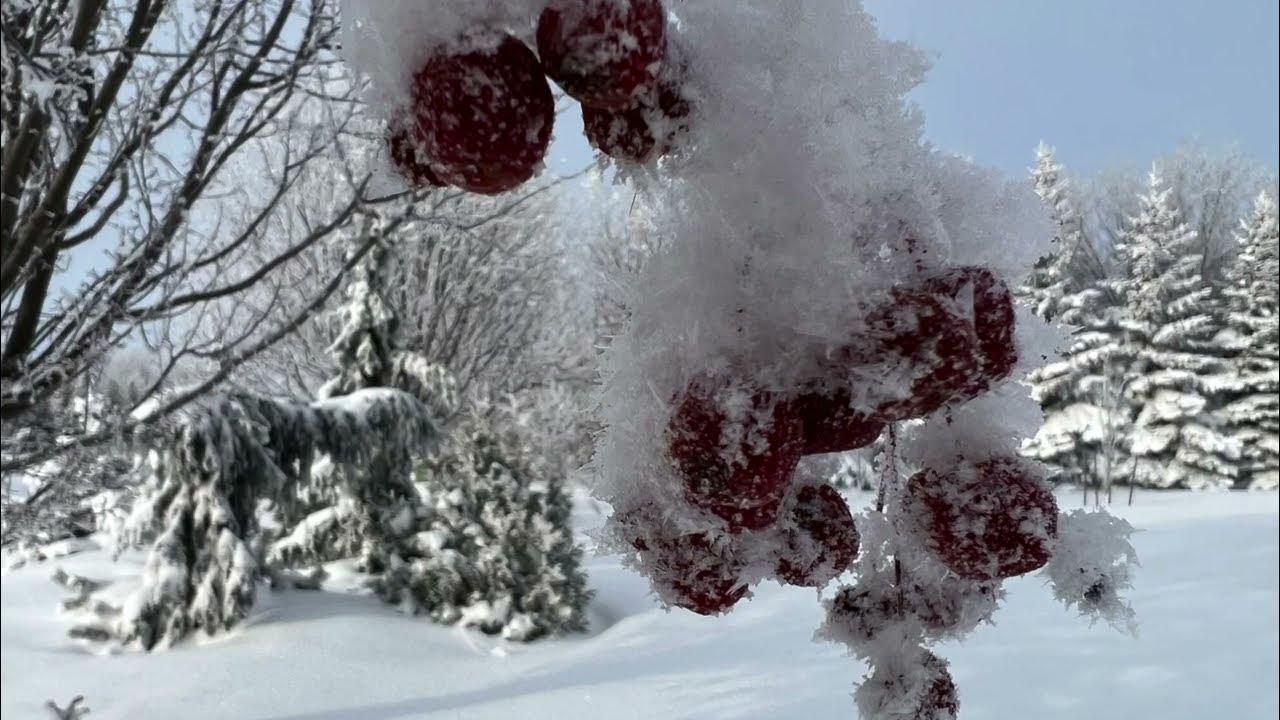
(888, 471)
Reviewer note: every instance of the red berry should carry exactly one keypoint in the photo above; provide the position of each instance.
(992, 316)
(700, 577)
(620, 134)
(690, 570)
(604, 53)
(921, 690)
(629, 134)
(484, 114)
(832, 425)
(820, 539)
(992, 519)
(938, 700)
(954, 606)
(735, 448)
(407, 154)
(856, 615)
(924, 337)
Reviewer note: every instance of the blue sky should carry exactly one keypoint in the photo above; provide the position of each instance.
(1107, 82)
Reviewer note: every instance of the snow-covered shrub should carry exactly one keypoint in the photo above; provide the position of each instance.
(496, 550)
(330, 514)
(220, 462)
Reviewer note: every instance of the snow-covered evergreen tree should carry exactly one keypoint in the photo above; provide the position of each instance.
(496, 551)
(1074, 390)
(220, 464)
(483, 538)
(326, 520)
(1051, 280)
(1169, 324)
(1253, 409)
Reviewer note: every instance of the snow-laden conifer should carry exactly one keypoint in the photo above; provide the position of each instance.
(1252, 409)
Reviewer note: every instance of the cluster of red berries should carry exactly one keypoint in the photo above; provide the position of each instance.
(481, 113)
(735, 446)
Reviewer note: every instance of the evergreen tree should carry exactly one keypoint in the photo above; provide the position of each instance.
(1252, 411)
(1051, 280)
(483, 538)
(337, 516)
(219, 465)
(1169, 327)
(1075, 390)
(496, 551)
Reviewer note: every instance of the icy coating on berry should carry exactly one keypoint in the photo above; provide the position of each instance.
(919, 690)
(735, 448)
(604, 53)
(1092, 565)
(484, 113)
(930, 345)
(651, 126)
(620, 134)
(697, 571)
(987, 303)
(986, 520)
(820, 540)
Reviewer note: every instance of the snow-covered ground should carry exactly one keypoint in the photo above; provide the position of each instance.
(1207, 601)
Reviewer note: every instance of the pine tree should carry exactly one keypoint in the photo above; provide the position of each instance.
(221, 463)
(337, 515)
(1075, 390)
(1252, 411)
(497, 551)
(476, 531)
(1169, 324)
(1051, 279)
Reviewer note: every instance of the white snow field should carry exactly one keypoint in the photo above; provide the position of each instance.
(1207, 601)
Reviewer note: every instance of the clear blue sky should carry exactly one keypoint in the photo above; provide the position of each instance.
(1107, 82)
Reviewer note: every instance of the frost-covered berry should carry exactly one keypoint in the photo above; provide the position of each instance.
(648, 127)
(409, 157)
(695, 571)
(484, 113)
(699, 576)
(604, 53)
(620, 134)
(986, 300)
(928, 352)
(1092, 566)
(831, 424)
(735, 447)
(909, 689)
(943, 608)
(953, 606)
(820, 539)
(938, 701)
(857, 614)
(991, 519)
